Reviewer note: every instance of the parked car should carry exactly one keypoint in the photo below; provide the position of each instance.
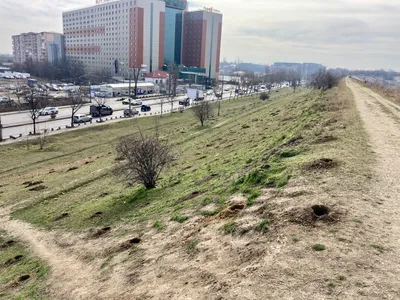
(145, 108)
(82, 118)
(5, 100)
(218, 95)
(133, 102)
(209, 92)
(105, 110)
(121, 99)
(185, 102)
(48, 111)
(131, 112)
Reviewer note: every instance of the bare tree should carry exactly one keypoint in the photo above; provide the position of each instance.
(218, 93)
(76, 102)
(42, 138)
(136, 74)
(36, 102)
(172, 83)
(294, 79)
(203, 111)
(144, 158)
(99, 102)
(163, 98)
(324, 80)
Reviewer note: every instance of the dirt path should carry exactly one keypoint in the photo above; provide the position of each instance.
(384, 134)
(70, 277)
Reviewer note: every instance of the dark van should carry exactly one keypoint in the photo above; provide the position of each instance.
(105, 110)
(185, 102)
(145, 108)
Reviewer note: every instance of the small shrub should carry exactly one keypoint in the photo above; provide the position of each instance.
(263, 227)
(207, 200)
(331, 284)
(318, 247)
(264, 96)
(380, 248)
(191, 246)
(342, 277)
(179, 219)
(158, 225)
(295, 239)
(254, 195)
(229, 227)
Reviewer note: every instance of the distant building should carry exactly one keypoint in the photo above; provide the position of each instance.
(157, 77)
(287, 67)
(106, 34)
(43, 46)
(305, 69)
(202, 40)
(174, 10)
(308, 69)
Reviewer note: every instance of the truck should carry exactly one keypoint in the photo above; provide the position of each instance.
(195, 95)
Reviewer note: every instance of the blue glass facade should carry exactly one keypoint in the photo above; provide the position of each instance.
(173, 35)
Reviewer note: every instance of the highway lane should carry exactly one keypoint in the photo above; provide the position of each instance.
(65, 112)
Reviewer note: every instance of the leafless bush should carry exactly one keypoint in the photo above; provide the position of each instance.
(203, 111)
(144, 158)
(324, 80)
(264, 96)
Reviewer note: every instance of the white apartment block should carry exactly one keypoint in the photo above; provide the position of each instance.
(43, 46)
(129, 31)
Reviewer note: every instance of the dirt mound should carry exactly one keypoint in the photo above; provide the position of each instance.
(13, 260)
(310, 215)
(7, 244)
(32, 183)
(38, 188)
(325, 139)
(129, 243)
(231, 211)
(191, 196)
(321, 164)
(100, 232)
(96, 214)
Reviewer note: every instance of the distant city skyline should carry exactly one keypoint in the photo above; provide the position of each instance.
(354, 34)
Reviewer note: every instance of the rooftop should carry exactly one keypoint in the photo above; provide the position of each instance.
(157, 74)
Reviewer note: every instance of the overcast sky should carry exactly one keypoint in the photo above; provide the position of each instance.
(337, 33)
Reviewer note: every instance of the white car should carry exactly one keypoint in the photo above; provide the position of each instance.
(5, 100)
(133, 102)
(209, 92)
(82, 118)
(48, 111)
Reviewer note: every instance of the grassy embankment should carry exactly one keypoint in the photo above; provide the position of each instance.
(252, 145)
(21, 275)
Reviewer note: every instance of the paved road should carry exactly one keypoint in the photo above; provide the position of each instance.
(63, 117)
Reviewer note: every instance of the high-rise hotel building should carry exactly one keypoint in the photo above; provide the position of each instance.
(142, 32)
(130, 31)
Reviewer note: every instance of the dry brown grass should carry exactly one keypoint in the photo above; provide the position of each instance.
(390, 93)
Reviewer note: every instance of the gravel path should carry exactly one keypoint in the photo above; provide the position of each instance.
(384, 134)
